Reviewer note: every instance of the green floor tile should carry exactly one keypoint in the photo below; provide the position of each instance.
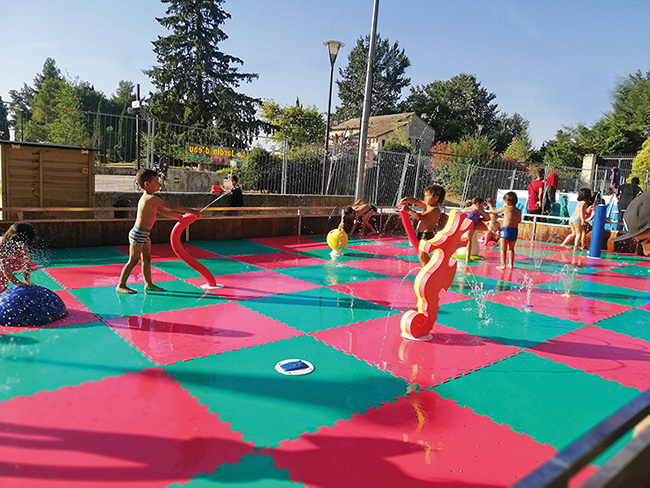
(599, 291)
(268, 407)
(549, 401)
(633, 270)
(79, 256)
(253, 471)
(470, 284)
(554, 267)
(507, 325)
(330, 274)
(526, 250)
(41, 278)
(109, 304)
(633, 323)
(47, 359)
(319, 309)
(626, 258)
(217, 266)
(348, 254)
(234, 248)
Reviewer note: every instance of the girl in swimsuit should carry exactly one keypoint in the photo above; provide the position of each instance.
(577, 221)
(476, 214)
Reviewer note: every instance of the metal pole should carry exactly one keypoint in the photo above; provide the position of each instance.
(363, 135)
(327, 130)
(512, 180)
(417, 174)
(402, 179)
(137, 129)
(283, 190)
(462, 199)
(377, 180)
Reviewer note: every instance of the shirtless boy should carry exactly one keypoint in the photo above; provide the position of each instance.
(139, 237)
(509, 231)
(434, 196)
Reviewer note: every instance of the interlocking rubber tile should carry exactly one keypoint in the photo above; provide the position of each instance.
(633, 323)
(41, 278)
(607, 354)
(420, 441)
(623, 258)
(268, 407)
(512, 275)
(348, 255)
(254, 470)
(640, 283)
(164, 251)
(395, 293)
(319, 309)
(553, 267)
(234, 248)
(329, 274)
(467, 283)
(291, 243)
(607, 293)
(216, 266)
(139, 429)
(503, 324)
(179, 335)
(109, 304)
(637, 269)
(450, 352)
(584, 261)
(386, 266)
(574, 307)
(547, 400)
(78, 256)
(36, 360)
(256, 284)
(278, 260)
(382, 249)
(104, 275)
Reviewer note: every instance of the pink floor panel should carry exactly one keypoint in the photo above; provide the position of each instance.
(104, 275)
(278, 260)
(164, 252)
(387, 266)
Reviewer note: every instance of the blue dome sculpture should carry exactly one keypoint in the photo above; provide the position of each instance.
(30, 306)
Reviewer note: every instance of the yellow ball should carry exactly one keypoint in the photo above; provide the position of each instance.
(337, 239)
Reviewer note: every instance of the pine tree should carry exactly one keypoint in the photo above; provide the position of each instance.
(195, 81)
(4, 122)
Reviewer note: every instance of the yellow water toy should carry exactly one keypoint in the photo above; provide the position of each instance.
(337, 239)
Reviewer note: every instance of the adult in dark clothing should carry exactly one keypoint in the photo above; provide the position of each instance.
(237, 197)
(535, 191)
(628, 192)
(549, 193)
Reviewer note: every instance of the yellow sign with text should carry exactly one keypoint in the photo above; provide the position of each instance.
(202, 153)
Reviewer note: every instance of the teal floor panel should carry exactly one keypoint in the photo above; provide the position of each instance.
(330, 274)
(633, 323)
(605, 293)
(79, 256)
(238, 247)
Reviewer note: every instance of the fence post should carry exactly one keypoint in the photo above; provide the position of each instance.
(401, 181)
(646, 181)
(512, 180)
(417, 176)
(462, 198)
(285, 150)
(299, 223)
(377, 179)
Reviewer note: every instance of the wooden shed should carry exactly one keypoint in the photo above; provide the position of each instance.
(46, 175)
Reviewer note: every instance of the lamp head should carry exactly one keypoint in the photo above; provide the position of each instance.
(333, 48)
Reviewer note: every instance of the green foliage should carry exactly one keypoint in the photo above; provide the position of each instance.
(519, 149)
(68, 127)
(566, 150)
(641, 162)
(195, 81)
(4, 122)
(389, 79)
(397, 146)
(293, 122)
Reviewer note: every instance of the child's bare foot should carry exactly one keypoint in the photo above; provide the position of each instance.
(125, 289)
(503, 266)
(153, 287)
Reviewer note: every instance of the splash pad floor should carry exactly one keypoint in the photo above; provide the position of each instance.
(179, 388)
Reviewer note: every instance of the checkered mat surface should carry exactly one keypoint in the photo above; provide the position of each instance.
(178, 388)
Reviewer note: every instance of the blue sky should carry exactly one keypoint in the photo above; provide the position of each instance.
(555, 62)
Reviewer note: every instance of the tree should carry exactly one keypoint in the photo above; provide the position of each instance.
(566, 149)
(457, 108)
(298, 124)
(519, 149)
(641, 162)
(388, 81)
(195, 81)
(506, 129)
(4, 122)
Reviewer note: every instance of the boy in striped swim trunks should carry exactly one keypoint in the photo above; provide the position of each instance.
(149, 206)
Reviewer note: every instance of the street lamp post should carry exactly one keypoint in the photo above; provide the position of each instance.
(333, 48)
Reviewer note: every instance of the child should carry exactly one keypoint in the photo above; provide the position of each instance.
(434, 196)
(139, 239)
(237, 198)
(578, 221)
(510, 229)
(14, 249)
(493, 230)
(361, 212)
(476, 214)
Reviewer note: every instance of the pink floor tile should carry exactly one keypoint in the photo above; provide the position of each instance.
(387, 266)
(449, 354)
(604, 353)
(140, 429)
(383, 249)
(584, 261)
(104, 275)
(278, 260)
(164, 252)
(511, 275)
(256, 284)
(291, 243)
(579, 309)
(169, 337)
(645, 306)
(77, 314)
(393, 293)
(620, 280)
(418, 441)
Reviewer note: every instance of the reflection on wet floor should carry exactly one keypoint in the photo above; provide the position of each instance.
(179, 388)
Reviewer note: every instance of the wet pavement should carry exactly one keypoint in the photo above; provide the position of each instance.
(179, 388)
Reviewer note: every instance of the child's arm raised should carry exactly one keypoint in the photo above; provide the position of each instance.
(172, 210)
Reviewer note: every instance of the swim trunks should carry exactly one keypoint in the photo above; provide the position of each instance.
(509, 233)
(139, 236)
(425, 236)
(574, 220)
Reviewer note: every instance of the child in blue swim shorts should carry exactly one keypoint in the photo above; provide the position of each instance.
(510, 229)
